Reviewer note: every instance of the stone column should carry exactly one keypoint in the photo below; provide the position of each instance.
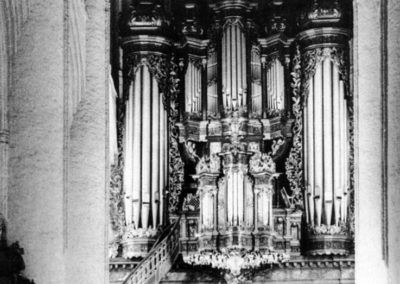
(36, 185)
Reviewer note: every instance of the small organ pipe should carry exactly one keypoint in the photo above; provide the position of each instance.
(146, 142)
(306, 154)
(137, 128)
(310, 149)
(234, 62)
(230, 199)
(344, 149)
(243, 65)
(271, 220)
(155, 143)
(281, 94)
(327, 130)
(318, 146)
(235, 211)
(161, 158)
(337, 154)
(229, 67)
(240, 198)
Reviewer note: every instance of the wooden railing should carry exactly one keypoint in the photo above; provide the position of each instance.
(159, 260)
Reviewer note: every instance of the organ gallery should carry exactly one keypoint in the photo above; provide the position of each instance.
(234, 146)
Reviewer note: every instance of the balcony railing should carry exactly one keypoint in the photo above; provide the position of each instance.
(159, 260)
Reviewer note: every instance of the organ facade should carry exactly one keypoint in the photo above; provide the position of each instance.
(235, 134)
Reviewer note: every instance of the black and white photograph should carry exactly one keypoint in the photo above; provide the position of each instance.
(199, 141)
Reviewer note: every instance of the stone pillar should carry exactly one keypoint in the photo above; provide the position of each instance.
(88, 162)
(57, 165)
(36, 187)
(376, 157)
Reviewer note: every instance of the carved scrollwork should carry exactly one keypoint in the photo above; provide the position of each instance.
(294, 163)
(157, 63)
(117, 210)
(176, 165)
(341, 229)
(312, 57)
(116, 198)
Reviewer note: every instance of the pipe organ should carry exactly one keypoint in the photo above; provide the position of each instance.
(242, 130)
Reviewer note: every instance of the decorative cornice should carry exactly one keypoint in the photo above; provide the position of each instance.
(323, 37)
(146, 43)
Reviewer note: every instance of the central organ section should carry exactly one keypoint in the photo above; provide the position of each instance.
(241, 131)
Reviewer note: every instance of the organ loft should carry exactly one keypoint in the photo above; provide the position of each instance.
(235, 149)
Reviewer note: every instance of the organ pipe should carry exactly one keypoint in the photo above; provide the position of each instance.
(134, 146)
(145, 146)
(318, 143)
